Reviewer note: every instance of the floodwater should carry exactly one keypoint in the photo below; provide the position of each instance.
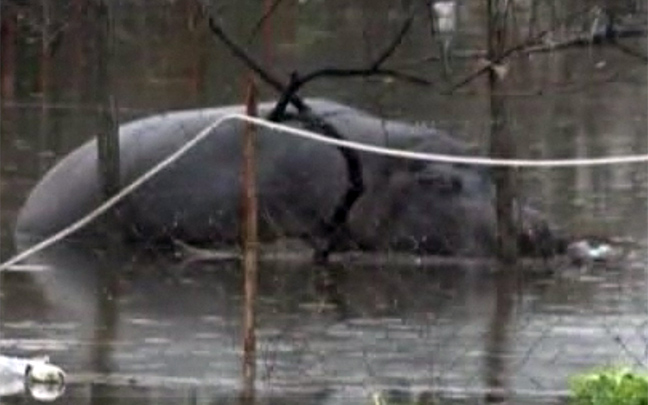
(332, 335)
(140, 327)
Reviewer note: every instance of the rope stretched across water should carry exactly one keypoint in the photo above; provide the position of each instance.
(302, 133)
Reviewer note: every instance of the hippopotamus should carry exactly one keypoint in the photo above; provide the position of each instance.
(302, 186)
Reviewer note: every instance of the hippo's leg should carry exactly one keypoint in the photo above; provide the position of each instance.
(333, 230)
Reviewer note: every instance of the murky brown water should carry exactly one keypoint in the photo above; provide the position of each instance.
(163, 326)
(160, 332)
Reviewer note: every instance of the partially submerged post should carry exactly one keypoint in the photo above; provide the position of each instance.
(250, 246)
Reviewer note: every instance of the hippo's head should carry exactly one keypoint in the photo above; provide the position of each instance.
(441, 209)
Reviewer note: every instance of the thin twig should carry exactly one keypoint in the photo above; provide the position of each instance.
(531, 43)
(599, 38)
(374, 69)
(333, 226)
(391, 48)
(247, 59)
(340, 73)
(265, 17)
(486, 67)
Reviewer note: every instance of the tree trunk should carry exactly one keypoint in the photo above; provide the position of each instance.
(501, 141)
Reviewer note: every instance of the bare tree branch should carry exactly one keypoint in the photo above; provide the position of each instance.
(334, 72)
(374, 69)
(535, 47)
(333, 228)
(391, 48)
(487, 67)
(296, 83)
(603, 37)
(535, 44)
(265, 17)
(242, 55)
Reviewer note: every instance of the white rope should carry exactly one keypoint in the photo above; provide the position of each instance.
(435, 157)
(111, 202)
(432, 157)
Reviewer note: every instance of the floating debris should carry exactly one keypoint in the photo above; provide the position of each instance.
(43, 380)
(605, 251)
(44, 372)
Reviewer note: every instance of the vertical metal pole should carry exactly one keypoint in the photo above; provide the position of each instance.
(250, 247)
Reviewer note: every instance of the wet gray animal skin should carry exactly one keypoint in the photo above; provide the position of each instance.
(406, 206)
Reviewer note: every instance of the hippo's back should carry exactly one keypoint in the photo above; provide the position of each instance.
(72, 188)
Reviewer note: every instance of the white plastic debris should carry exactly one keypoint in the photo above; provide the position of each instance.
(45, 373)
(43, 380)
(446, 16)
(32, 370)
(585, 251)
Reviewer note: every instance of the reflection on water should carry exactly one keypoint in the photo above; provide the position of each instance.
(360, 329)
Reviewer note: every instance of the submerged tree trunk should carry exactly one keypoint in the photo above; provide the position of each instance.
(108, 131)
(501, 146)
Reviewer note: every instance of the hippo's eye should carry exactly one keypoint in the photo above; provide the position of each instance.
(439, 181)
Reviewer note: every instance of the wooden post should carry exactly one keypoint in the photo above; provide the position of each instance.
(501, 142)
(250, 247)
